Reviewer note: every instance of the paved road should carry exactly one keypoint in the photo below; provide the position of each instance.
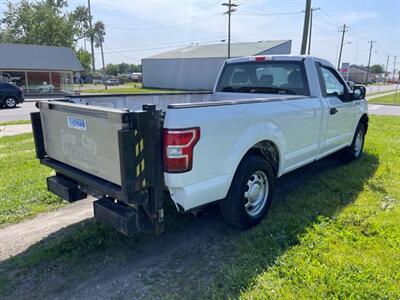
(22, 112)
(384, 110)
(19, 113)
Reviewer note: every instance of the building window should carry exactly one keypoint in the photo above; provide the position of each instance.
(39, 82)
(13, 76)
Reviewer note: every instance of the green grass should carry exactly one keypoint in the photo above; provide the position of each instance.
(389, 99)
(19, 122)
(336, 237)
(23, 181)
(333, 233)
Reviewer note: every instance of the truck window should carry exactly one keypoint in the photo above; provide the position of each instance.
(272, 77)
(332, 84)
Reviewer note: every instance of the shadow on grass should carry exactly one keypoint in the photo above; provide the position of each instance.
(303, 198)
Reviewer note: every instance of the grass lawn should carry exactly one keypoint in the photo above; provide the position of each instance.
(130, 87)
(334, 234)
(389, 99)
(338, 236)
(23, 181)
(19, 122)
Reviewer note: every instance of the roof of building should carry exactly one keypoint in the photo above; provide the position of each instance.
(220, 50)
(35, 57)
(359, 68)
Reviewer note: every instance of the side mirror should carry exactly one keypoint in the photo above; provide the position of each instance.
(359, 92)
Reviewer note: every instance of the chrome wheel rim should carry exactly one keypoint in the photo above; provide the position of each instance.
(358, 143)
(10, 102)
(256, 194)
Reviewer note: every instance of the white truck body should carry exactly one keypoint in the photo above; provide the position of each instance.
(302, 128)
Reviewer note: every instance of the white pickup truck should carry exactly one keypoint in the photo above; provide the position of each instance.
(267, 116)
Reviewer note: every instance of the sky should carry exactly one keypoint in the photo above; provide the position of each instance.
(140, 28)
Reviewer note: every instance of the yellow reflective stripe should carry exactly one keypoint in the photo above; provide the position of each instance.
(141, 145)
(142, 165)
(137, 149)
(137, 170)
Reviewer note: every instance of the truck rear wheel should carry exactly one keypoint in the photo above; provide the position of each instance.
(250, 194)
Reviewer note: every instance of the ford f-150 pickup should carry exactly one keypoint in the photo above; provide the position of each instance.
(266, 116)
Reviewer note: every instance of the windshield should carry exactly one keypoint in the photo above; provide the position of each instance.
(270, 77)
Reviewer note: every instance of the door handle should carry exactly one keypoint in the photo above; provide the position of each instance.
(333, 111)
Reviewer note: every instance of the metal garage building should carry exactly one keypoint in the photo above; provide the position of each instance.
(196, 67)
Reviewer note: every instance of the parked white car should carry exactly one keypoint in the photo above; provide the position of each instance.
(267, 116)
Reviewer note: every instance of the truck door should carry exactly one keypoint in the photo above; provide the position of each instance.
(340, 110)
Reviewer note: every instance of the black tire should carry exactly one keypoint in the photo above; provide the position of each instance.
(355, 150)
(10, 102)
(233, 207)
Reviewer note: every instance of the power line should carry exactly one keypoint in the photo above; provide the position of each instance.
(270, 14)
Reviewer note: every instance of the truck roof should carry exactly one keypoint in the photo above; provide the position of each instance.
(276, 58)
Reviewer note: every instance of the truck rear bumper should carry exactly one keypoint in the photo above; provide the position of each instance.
(198, 194)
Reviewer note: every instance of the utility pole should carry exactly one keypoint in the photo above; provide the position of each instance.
(91, 38)
(343, 30)
(231, 8)
(387, 65)
(309, 37)
(104, 65)
(306, 27)
(369, 59)
(394, 67)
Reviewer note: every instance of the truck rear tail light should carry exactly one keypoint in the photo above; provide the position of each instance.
(178, 149)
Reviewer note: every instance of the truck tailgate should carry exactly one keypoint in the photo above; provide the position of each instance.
(85, 137)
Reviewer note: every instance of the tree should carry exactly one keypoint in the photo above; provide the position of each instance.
(123, 68)
(44, 22)
(85, 58)
(377, 69)
(99, 32)
(111, 69)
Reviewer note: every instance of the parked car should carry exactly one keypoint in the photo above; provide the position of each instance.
(267, 116)
(136, 77)
(6, 77)
(44, 88)
(97, 81)
(113, 81)
(10, 95)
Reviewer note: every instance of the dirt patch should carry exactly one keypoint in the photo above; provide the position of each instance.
(9, 130)
(182, 263)
(15, 239)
